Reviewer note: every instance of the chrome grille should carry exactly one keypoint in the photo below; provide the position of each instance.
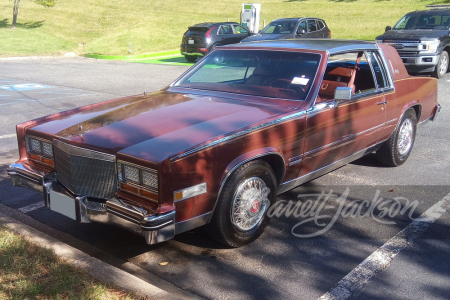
(82, 175)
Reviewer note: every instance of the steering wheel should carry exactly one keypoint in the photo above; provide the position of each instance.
(281, 83)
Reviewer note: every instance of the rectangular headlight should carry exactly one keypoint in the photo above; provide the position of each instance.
(47, 149)
(150, 179)
(39, 150)
(145, 178)
(131, 173)
(35, 146)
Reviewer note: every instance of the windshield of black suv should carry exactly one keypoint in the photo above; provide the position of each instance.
(277, 27)
(426, 20)
(274, 74)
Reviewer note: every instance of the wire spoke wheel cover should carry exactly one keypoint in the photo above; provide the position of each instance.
(395, 150)
(250, 203)
(240, 216)
(405, 137)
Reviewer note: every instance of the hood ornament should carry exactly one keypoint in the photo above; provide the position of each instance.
(80, 129)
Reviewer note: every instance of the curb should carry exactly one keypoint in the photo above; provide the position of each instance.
(96, 268)
(132, 57)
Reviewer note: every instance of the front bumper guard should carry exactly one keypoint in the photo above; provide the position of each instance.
(155, 228)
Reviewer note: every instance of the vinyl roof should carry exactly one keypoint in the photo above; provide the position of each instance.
(330, 45)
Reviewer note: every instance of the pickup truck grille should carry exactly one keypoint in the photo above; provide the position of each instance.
(82, 175)
(407, 53)
(401, 41)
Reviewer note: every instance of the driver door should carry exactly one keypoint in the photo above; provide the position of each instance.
(338, 131)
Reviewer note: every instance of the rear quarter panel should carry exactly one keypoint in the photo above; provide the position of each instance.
(410, 91)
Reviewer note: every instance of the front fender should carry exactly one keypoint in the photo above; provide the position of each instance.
(240, 160)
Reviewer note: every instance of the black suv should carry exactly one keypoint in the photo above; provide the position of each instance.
(292, 28)
(201, 39)
(422, 40)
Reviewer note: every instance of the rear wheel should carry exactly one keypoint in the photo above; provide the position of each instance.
(190, 58)
(240, 215)
(442, 66)
(395, 151)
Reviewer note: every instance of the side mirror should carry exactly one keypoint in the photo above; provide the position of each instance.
(387, 28)
(342, 94)
(301, 32)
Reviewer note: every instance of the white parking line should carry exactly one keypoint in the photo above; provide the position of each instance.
(31, 207)
(381, 258)
(7, 136)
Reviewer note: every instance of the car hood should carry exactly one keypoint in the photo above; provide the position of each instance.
(412, 34)
(156, 126)
(262, 37)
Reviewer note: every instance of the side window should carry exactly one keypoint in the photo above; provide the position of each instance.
(320, 25)
(225, 29)
(312, 25)
(341, 72)
(377, 66)
(302, 26)
(364, 81)
(446, 21)
(240, 29)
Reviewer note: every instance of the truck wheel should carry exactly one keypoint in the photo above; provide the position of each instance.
(240, 215)
(190, 58)
(395, 151)
(442, 66)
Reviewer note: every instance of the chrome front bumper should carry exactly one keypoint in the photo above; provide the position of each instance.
(155, 228)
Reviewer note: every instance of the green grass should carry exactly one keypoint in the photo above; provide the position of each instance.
(115, 27)
(28, 271)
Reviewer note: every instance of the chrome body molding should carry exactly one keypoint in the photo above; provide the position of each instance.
(438, 110)
(390, 69)
(390, 121)
(77, 151)
(432, 118)
(295, 160)
(239, 134)
(193, 223)
(308, 177)
(344, 141)
(156, 228)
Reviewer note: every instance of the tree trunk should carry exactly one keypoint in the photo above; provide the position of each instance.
(15, 13)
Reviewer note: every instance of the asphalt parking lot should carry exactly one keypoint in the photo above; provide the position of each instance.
(292, 260)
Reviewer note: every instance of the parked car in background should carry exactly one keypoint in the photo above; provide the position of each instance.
(200, 39)
(292, 28)
(422, 39)
(217, 145)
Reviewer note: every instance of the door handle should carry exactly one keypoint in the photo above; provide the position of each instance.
(381, 103)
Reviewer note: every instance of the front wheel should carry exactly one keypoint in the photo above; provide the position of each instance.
(240, 215)
(395, 151)
(442, 66)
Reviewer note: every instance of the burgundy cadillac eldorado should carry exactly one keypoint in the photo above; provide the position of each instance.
(214, 148)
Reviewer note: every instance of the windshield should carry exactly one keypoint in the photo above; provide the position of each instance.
(278, 27)
(275, 74)
(424, 21)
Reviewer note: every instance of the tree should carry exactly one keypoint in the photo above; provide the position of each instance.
(46, 3)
